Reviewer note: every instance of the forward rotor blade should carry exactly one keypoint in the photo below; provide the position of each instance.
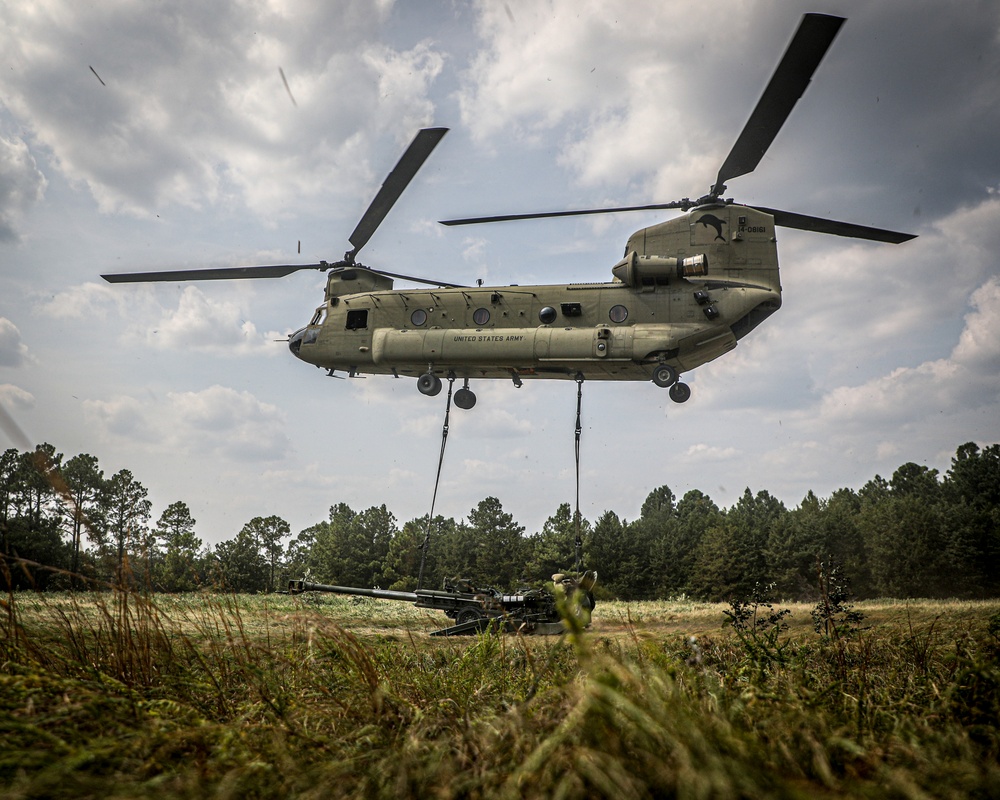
(791, 77)
(578, 213)
(804, 222)
(427, 281)
(423, 143)
(217, 274)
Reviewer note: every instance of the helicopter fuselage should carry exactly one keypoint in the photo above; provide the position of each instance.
(687, 290)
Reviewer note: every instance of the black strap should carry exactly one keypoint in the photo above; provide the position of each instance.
(430, 517)
(579, 430)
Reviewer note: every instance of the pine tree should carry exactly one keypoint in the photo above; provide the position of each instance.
(125, 512)
(84, 480)
(500, 547)
(178, 571)
(267, 533)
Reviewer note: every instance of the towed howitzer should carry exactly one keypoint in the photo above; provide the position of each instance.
(475, 609)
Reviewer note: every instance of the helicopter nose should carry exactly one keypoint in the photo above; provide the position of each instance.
(295, 341)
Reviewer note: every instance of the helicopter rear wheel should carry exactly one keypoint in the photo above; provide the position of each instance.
(465, 398)
(664, 375)
(429, 384)
(680, 392)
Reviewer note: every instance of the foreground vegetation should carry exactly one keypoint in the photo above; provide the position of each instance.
(119, 694)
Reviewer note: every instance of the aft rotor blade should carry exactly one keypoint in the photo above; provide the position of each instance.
(217, 274)
(791, 77)
(578, 213)
(804, 222)
(423, 143)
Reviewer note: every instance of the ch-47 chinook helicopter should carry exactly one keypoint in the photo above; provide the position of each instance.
(686, 291)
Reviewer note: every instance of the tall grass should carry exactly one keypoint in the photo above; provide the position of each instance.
(118, 694)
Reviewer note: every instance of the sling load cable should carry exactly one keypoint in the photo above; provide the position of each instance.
(437, 481)
(579, 429)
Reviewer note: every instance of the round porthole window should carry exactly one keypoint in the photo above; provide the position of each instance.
(418, 317)
(547, 315)
(618, 313)
(481, 316)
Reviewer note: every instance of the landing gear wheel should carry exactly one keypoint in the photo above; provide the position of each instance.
(465, 398)
(680, 392)
(429, 384)
(664, 375)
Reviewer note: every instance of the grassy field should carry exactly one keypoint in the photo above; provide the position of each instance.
(118, 695)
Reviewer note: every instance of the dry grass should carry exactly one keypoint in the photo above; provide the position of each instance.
(121, 695)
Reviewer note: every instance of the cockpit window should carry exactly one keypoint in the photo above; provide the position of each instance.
(357, 319)
(319, 316)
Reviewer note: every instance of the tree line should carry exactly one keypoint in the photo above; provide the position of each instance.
(917, 534)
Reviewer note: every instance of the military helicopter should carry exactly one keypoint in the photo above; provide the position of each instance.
(685, 292)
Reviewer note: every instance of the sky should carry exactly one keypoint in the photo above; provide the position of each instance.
(151, 136)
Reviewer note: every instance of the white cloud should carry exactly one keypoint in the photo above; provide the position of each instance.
(978, 347)
(706, 452)
(13, 352)
(886, 450)
(204, 324)
(87, 301)
(317, 477)
(473, 249)
(609, 87)
(233, 424)
(483, 472)
(15, 397)
(402, 477)
(542, 61)
(493, 422)
(199, 323)
(896, 292)
(969, 378)
(422, 426)
(140, 134)
(21, 186)
(126, 418)
(488, 421)
(404, 79)
(215, 421)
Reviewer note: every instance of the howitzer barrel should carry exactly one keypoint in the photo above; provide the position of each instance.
(294, 587)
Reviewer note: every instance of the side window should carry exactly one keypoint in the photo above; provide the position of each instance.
(357, 319)
(547, 315)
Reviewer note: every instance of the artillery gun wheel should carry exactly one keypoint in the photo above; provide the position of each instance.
(468, 615)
